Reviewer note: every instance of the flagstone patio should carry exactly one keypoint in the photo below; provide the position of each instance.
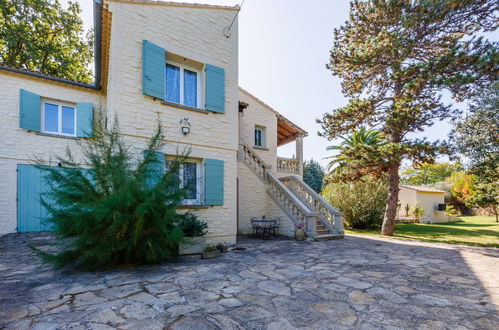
(362, 283)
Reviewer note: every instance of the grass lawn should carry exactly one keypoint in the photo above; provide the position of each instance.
(473, 230)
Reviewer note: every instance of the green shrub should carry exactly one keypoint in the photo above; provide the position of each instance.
(191, 226)
(210, 248)
(418, 211)
(121, 209)
(362, 203)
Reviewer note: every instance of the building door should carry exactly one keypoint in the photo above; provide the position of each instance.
(31, 214)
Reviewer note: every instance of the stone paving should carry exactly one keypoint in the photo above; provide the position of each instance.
(358, 282)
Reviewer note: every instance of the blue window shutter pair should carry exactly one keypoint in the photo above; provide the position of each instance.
(30, 115)
(214, 182)
(153, 70)
(153, 78)
(215, 88)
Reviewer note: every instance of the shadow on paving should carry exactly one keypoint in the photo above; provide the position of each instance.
(351, 283)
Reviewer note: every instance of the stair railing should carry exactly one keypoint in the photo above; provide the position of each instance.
(316, 202)
(291, 205)
(254, 162)
(294, 208)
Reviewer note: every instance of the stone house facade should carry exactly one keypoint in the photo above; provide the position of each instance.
(182, 70)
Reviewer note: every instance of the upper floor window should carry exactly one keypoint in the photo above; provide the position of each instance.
(58, 118)
(259, 136)
(182, 85)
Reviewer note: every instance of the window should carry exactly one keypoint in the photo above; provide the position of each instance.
(58, 118)
(182, 85)
(190, 178)
(260, 137)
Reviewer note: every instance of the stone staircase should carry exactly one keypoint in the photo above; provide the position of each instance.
(300, 202)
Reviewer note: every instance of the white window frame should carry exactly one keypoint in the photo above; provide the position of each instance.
(59, 117)
(199, 180)
(263, 137)
(198, 72)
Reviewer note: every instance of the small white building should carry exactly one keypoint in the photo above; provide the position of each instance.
(431, 200)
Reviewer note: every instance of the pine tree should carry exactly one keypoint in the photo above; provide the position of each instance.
(395, 57)
(118, 208)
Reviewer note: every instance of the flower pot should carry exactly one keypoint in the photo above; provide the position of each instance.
(300, 234)
(193, 245)
(210, 254)
(222, 249)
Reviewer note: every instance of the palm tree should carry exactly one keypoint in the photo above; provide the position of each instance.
(351, 146)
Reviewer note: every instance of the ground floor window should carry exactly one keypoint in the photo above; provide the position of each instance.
(190, 178)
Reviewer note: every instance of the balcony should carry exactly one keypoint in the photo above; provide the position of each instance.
(288, 165)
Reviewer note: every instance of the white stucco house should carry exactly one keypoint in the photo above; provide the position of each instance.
(183, 68)
(431, 200)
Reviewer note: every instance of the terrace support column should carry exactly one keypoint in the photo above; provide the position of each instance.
(299, 154)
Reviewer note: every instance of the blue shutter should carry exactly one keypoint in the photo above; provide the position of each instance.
(153, 70)
(84, 119)
(29, 110)
(31, 214)
(155, 170)
(213, 182)
(215, 89)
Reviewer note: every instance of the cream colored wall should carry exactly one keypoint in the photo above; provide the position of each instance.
(195, 33)
(254, 202)
(406, 196)
(257, 115)
(428, 201)
(19, 146)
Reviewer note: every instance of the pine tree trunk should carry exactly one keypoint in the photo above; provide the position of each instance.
(391, 205)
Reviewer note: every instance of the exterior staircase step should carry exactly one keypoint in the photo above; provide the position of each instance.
(322, 231)
(326, 237)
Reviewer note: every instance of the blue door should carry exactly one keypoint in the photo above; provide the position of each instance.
(31, 214)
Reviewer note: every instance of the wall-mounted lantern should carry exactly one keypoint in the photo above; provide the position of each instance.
(185, 126)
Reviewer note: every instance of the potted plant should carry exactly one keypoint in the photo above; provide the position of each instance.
(210, 251)
(222, 247)
(194, 231)
(299, 232)
(418, 212)
(407, 209)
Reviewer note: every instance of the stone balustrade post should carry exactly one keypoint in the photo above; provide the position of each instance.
(299, 154)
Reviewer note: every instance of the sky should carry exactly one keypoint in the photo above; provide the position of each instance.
(283, 49)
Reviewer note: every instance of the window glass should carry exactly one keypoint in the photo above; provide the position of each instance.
(258, 137)
(172, 83)
(190, 179)
(51, 118)
(190, 88)
(68, 120)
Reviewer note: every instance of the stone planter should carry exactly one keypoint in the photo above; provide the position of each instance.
(300, 234)
(210, 254)
(193, 245)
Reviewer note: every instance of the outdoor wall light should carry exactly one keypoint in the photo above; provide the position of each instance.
(185, 126)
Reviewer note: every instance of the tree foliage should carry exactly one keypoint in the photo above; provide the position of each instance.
(395, 58)
(118, 209)
(427, 174)
(357, 156)
(477, 138)
(313, 175)
(42, 36)
(361, 203)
